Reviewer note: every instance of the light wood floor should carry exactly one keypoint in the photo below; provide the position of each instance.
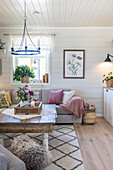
(96, 143)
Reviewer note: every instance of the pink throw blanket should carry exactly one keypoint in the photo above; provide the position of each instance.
(75, 106)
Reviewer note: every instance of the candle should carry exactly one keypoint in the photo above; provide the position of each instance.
(29, 87)
(11, 41)
(43, 78)
(46, 77)
(33, 103)
(37, 104)
(39, 42)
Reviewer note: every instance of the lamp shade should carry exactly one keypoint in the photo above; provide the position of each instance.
(107, 59)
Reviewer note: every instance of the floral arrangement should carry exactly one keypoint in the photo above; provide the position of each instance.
(108, 77)
(3, 99)
(25, 94)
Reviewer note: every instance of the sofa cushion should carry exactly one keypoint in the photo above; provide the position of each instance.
(8, 96)
(3, 100)
(55, 97)
(7, 90)
(14, 95)
(61, 111)
(67, 95)
(3, 162)
(45, 94)
(13, 162)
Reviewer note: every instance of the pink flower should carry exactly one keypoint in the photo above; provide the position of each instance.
(31, 93)
(20, 92)
(26, 91)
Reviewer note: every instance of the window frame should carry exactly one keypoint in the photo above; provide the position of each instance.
(31, 84)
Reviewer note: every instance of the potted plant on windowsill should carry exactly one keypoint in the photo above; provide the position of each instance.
(23, 73)
(108, 79)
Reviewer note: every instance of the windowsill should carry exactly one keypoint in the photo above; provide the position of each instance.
(31, 84)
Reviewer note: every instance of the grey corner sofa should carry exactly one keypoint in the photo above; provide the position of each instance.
(63, 117)
(9, 161)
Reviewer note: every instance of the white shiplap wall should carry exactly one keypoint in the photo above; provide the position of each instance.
(97, 42)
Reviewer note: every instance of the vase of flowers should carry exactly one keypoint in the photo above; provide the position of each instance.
(24, 95)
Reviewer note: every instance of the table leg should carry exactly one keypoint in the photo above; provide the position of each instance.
(1, 139)
(45, 141)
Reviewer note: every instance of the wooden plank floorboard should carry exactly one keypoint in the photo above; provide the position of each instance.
(96, 144)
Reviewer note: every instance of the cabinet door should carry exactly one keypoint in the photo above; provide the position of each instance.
(110, 113)
(106, 103)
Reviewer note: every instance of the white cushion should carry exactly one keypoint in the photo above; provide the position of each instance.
(67, 95)
(6, 104)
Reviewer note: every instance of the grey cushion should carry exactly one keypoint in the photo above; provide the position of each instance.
(3, 162)
(14, 100)
(61, 111)
(13, 162)
(45, 94)
(40, 94)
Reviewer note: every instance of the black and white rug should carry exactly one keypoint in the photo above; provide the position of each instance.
(63, 145)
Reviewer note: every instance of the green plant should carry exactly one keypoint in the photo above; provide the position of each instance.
(73, 66)
(108, 77)
(22, 71)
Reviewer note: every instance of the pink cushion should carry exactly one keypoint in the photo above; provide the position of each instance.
(55, 97)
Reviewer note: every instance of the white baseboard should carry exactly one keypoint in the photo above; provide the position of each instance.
(99, 115)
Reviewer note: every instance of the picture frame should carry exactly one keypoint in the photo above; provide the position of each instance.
(74, 64)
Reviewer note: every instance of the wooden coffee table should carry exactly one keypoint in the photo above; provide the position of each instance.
(42, 124)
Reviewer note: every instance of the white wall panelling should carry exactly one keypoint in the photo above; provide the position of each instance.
(97, 42)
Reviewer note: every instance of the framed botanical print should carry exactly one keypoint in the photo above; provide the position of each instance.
(74, 64)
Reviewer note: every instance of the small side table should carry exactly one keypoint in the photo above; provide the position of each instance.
(89, 116)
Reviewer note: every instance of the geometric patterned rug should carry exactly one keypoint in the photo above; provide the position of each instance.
(63, 145)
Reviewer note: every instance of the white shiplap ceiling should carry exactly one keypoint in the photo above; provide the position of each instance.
(57, 13)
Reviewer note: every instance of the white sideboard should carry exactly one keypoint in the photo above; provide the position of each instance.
(108, 105)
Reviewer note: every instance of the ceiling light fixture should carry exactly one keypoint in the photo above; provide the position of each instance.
(36, 12)
(107, 58)
(25, 50)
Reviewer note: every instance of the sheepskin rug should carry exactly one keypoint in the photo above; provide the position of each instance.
(34, 155)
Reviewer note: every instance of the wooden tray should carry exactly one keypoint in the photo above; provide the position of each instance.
(28, 110)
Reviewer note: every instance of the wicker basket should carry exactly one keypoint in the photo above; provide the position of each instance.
(89, 117)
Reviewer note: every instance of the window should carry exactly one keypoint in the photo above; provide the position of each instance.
(40, 64)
